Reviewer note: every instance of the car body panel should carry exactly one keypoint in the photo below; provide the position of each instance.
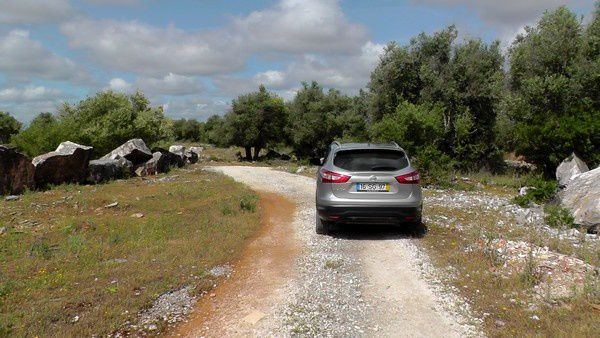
(343, 199)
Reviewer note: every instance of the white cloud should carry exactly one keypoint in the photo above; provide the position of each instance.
(144, 49)
(346, 72)
(29, 93)
(171, 84)
(290, 26)
(119, 85)
(34, 11)
(22, 58)
(300, 26)
(26, 102)
(512, 13)
(196, 107)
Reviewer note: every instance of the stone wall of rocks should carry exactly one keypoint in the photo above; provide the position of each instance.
(72, 163)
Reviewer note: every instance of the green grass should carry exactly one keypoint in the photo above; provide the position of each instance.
(73, 257)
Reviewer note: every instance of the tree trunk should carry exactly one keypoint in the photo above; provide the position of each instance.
(256, 152)
(248, 153)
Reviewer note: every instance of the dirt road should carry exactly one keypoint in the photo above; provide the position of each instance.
(357, 282)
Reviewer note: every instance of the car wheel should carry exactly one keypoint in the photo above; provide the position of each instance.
(321, 227)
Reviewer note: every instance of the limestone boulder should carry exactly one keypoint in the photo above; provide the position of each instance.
(107, 169)
(16, 172)
(582, 197)
(570, 168)
(171, 159)
(67, 164)
(134, 150)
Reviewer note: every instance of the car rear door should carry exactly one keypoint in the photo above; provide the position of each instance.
(372, 174)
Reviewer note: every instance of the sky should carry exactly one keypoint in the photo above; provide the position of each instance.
(194, 56)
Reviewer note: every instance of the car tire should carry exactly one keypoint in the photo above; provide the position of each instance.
(321, 227)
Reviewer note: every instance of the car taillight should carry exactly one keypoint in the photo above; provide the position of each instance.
(410, 178)
(333, 177)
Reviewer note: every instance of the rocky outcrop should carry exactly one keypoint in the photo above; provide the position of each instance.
(197, 150)
(171, 159)
(134, 150)
(159, 163)
(191, 157)
(569, 168)
(582, 197)
(106, 169)
(520, 166)
(16, 172)
(178, 150)
(67, 164)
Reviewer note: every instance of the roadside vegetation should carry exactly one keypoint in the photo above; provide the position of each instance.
(74, 263)
(511, 271)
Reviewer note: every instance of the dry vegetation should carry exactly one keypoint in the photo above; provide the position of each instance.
(511, 303)
(71, 266)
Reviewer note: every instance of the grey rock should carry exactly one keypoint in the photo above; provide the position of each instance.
(191, 157)
(134, 150)
(173, 160)
(67, 164)
(178, 150)
(197, 150)
(2, 230)
(520, 166)
(582, 197)
(12, 198)
(524, 190)
(106, 169)
(151, 166)
(569, 169)
(16, 172)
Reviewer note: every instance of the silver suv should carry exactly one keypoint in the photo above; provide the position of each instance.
(365, 183)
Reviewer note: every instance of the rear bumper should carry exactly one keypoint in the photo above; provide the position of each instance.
(369, 215)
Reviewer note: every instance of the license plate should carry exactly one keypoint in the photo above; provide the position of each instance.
(373, 187)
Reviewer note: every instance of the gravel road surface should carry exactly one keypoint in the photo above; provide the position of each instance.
(355, 283)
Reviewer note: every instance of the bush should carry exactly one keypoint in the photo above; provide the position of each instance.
(558, 217)
(248, 202)
(541, 191)
(103, 121)
(8, 127)
(435, 167)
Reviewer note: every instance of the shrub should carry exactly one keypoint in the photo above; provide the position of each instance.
(558, 217)
(248, 202)
(540, 191)
(435, 167)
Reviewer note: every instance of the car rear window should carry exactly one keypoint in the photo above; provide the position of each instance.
(370, 160)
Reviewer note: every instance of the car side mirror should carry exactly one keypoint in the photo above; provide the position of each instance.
(322, 161)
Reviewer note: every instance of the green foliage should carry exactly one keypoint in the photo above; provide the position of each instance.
(103, 121)
(215, 131)
(44, 134)
(464, 82)
(248, 202)
(555, 104)
(317, 118)
(8, 126)
(412, 126)
(256, 120)
(435, 167)
(540, 191)
(558, 217)
(188, 130)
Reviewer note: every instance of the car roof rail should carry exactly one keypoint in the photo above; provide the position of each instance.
(335, 143)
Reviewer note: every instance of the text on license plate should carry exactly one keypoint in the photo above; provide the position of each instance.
(372, 187)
